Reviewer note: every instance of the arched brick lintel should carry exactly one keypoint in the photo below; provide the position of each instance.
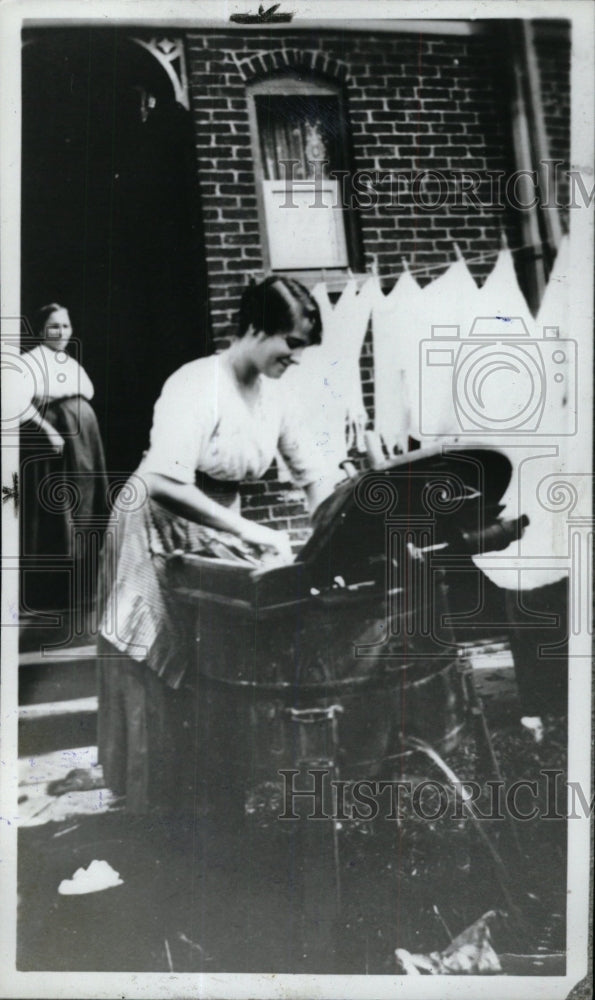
(267, 63)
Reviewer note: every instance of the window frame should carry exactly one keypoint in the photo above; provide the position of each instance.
(290, 83)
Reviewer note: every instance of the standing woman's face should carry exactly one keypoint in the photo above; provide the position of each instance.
(57, 330)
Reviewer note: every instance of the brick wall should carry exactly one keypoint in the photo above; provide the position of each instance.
(414, 104)
(553, 54)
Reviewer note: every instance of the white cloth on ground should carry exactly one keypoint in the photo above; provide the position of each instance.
(98, 876)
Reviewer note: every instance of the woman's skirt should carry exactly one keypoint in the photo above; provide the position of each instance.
(146, 652)
(146, 735)
(64, 507)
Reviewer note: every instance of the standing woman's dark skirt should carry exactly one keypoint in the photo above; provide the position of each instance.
(64, 507)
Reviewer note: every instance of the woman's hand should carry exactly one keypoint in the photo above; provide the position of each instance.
(55, 439)
(188, 501)
(272, 542)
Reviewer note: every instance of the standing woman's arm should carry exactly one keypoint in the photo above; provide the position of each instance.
(16, 386)
(54, 437)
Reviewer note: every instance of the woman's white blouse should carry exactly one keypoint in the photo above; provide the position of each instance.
(201, 422)
(45, 374)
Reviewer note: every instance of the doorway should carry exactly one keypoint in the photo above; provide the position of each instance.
(111, 220)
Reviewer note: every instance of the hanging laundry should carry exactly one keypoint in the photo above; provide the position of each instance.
(542, 556)
(553, 315)
(501, 297)
(320, 293)
(327, 382)
(447, 310)
(396, 353)
(309, 386)
(555, 297)
(307, 394)
(478, 381)
(344, 341)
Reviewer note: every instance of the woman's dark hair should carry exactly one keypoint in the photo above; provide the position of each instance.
(276, 305)
(43, 314)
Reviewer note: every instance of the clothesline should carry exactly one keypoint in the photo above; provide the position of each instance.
(425, 269)
(337, 283)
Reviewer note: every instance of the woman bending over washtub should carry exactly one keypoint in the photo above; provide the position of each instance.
(218, 421)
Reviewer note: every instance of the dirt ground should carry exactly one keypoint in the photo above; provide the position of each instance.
(208, 891)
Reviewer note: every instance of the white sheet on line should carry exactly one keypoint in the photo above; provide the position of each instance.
(544, 483)
(328, 382)
(501, 296)
(396, 351)
(447, 310)
(343, 340)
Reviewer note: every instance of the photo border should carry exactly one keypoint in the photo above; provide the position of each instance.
(13, 16)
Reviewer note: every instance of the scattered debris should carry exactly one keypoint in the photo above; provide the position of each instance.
(442, 921)
(68, 829)
(470, 953)
(194, 945)
(81, 779)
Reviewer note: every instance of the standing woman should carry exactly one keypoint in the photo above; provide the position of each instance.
(63, 475)
(218, 421)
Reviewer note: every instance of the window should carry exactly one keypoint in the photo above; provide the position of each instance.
(299, 145)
